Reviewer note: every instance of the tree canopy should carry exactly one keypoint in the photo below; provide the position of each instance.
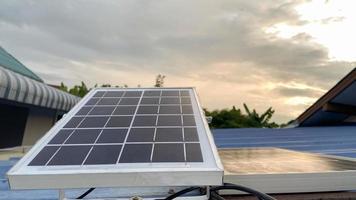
(235, 118)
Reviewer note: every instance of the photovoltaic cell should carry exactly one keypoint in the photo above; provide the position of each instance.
(172, 152)
(70, 155)
(114, 127)
(141, 135)
(103, 154)
(103, 110)
(61, 136)
(185, 100)
(93, 122)
(193, 152)
(44, 155)
(191, 135)
(145, 120)
(169, 110)
(112, 136)
(187, 109)
(188, 120)
(92, 101)
(169, 120)
(83, 136)
(119, 121)
(184, 93)
(147, 110)
(170, 93)
(152, 93)
(108, 101)
(132, 94)
(99, 94)
(170, 100)
(74, 122)
(169, 135)
(136, 153)
(151, 100)
(84, 110)
(125, 110)
(113, 94)
(129, 101)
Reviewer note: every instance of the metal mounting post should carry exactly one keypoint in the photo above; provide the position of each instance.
(61, 194)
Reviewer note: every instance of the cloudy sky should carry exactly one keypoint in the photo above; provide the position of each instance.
(276, 53)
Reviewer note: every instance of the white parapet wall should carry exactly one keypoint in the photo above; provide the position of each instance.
(39, 121)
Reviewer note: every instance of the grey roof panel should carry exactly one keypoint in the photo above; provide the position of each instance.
(11, 63)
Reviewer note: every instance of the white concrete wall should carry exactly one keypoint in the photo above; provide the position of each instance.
(39, 121)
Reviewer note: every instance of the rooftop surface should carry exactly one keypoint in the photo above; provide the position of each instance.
(340, 141)
(336, 140)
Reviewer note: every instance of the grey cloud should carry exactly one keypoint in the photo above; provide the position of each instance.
(186, 39)
(292, 92)
(332, 19)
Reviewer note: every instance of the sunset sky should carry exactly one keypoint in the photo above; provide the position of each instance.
(283, 54)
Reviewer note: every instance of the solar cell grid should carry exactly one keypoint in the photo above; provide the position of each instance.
(124, 110)
(127, 127)
(92, 101)
(150, 100)
(84, 110)
(113, 94)
(112, 136)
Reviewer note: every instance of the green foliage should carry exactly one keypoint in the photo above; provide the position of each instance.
(79, 90)
(258, 120)
(234, 118)
(63, 87)
(160, 80)
(105, 85)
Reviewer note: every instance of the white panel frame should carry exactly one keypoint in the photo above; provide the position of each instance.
(209, 172)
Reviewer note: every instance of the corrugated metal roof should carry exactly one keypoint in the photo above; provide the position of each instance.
(335, 140)
(9, 62)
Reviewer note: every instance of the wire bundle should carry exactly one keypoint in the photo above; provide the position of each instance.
(214, 192)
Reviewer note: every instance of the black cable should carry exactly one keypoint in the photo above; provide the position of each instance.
(213, 192)
(85, 193)
(229, 186)
(215, 196)
(180, 193)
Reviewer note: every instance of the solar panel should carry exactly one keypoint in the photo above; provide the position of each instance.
(135, 135)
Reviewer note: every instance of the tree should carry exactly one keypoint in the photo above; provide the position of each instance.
(63, 87)
(234, 118)
(79, 90)
(262, 120)
(160, 80)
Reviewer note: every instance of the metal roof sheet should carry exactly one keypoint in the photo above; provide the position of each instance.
(333, 140)
(9, 62)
